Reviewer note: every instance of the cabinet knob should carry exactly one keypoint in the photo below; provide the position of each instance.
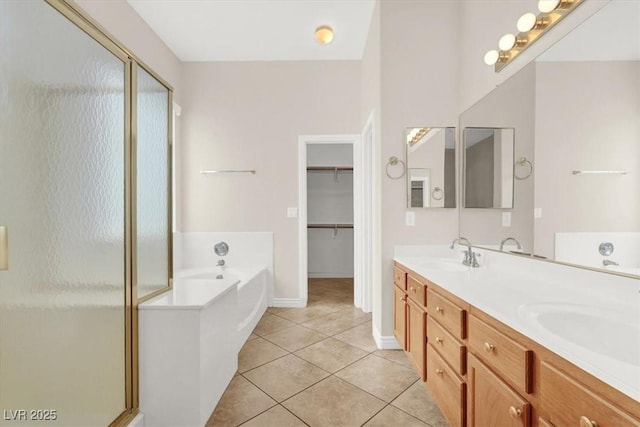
(515, 412)
(439, 340)
(586, 422)
(488, 347)
(440, 372)
(439, 310)
(413, 290)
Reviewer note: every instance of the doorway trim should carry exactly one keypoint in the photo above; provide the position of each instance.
(303, 142)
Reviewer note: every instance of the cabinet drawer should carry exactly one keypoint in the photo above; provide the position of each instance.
(447, 314)
(400, 278)
(510, 359)
(451, 350)
(492, 402)
(565, 402)
(447, 389)
(416, 291)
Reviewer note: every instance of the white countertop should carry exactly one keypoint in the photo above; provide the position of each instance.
(515, 290)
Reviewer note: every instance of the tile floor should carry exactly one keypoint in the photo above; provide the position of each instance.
(319, 366)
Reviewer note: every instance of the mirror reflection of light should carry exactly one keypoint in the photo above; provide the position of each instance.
(507, 42)
(491, 57)
(546, 6)
(526, 22)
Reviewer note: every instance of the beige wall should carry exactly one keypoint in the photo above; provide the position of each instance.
(248, 115)
(419, 87)
(586, 122)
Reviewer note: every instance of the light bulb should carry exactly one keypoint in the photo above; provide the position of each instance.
(507, 42)
(526, 22)
(491, 57)
(546, 6)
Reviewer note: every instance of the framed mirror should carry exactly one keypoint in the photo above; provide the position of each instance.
(488, 167)
(575, 110)
(431, 167)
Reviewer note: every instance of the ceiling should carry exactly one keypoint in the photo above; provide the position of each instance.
(258, 30)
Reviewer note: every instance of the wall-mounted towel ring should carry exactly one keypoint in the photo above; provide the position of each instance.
(393, 160)
(437, 193)
(523, 161)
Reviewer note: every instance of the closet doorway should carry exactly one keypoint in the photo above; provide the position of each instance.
(330, 186)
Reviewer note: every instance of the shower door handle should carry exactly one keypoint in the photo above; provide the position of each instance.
(4, 248)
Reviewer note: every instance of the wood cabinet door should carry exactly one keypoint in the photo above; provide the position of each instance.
(417, 337)
(492, 402)
(400, 317)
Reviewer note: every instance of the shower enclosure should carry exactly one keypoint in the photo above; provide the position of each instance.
(84, 215)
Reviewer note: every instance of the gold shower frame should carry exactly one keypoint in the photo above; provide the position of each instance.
(81, 19)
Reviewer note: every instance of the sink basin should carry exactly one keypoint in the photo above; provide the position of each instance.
(445, 264)
(595, 329)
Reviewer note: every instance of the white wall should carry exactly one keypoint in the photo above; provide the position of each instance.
(248, 115)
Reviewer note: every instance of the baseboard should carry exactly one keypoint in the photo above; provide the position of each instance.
(330, 275)
(388, 342)
(289, 302)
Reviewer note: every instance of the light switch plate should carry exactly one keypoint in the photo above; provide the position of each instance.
(292, 212)
(537, 212)
(410, 218)
(506, 219)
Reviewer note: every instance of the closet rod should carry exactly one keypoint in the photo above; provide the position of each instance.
(332, 226)
(330, 168)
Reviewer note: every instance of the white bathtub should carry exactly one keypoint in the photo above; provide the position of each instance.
(252, 293)
(189, 339)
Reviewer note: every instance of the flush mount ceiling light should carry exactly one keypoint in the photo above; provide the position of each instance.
(531, 28)
(324, 34)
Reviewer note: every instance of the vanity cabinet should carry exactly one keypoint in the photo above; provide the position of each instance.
(448, 390)
(566, 402)
(483, 373)
(400, 316)
(491, 401)
(417, 337)
(512, 360)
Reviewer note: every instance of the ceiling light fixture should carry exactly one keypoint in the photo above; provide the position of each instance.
(531, 28)
(324, 34)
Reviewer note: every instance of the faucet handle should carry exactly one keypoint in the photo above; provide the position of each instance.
(474, 259)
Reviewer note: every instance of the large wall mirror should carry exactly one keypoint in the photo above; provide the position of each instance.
(488, 167)
(431, 167)
(576, 113)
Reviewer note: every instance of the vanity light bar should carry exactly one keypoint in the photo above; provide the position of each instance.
(531, 28)
(601, 172)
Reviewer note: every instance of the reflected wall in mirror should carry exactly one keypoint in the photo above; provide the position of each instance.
(431, 167)
(584, 108)
(488, 167)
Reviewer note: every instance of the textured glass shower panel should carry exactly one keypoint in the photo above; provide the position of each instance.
(152, 184)
(62, 322)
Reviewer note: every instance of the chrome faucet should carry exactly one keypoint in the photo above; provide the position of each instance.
(607, 262)
(220, 263)
(470, 257)
(506, 240)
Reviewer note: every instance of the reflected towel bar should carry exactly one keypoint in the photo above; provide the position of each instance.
(252, 171)
(601, 172)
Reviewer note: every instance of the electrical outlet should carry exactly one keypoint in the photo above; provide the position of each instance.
(506, 219)
(410, 218)
(292, 212)
(537, 212)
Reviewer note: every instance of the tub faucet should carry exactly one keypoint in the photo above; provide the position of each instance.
(220, 263)
(607, 262)
(506, 240)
